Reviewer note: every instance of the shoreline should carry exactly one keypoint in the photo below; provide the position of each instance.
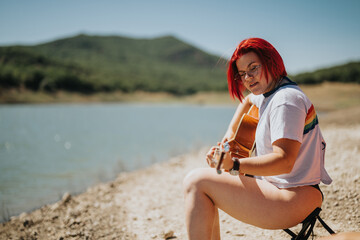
(148, 203)
(327, 96)
(329, 120)
(16, 96)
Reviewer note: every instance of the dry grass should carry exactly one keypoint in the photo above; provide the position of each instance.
(333, 96)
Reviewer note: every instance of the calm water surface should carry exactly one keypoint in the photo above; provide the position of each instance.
(46, 150)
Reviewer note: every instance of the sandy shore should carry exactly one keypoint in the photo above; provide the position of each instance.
(148, 204)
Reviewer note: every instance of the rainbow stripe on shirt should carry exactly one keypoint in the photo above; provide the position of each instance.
(311, 120)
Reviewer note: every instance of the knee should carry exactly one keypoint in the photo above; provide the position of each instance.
(193, 181)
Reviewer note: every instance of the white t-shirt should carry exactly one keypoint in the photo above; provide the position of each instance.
(286, 112)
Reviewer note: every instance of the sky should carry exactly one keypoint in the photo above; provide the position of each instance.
(309, 34)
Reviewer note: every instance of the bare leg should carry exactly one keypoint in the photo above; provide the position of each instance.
(216, 226)
(249, 200)
(200, 211)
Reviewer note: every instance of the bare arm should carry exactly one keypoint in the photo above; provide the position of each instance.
(241, 109)
(280, 161)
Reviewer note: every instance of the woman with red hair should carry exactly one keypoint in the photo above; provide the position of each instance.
(279, 186)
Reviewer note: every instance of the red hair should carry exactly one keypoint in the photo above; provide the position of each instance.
(271, 61)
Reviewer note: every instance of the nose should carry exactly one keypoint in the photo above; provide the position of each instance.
(247, 75)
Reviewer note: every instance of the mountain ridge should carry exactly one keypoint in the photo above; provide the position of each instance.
(107, 63)
(92, 63)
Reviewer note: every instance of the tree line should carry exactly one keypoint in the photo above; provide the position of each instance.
(87, 64)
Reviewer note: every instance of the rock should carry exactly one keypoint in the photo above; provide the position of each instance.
(240, 235)
(168, 234)
(23, 216)
(73, 213)
(55, 206)
(356, 178)
(66, 197)
(28, 223)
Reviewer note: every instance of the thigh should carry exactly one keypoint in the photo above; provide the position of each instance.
(259, 202)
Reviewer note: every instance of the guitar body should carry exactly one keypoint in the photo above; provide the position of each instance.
(243, 142)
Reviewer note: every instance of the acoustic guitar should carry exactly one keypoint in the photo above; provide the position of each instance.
(243, 142)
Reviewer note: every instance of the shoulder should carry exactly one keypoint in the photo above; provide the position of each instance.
(291, 96)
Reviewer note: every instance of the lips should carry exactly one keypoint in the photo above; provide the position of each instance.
(253, 84)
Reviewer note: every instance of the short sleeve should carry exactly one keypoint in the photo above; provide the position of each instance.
(256, 99)
(287, 121)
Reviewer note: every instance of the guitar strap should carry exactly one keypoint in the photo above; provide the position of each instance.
(218, 170)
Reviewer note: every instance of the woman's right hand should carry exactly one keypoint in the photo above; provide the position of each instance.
(210, 156)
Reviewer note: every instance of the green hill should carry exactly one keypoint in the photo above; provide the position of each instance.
(92, 63)
(89, 64)
(349, 72)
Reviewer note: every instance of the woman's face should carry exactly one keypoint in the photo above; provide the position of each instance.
(252, 75)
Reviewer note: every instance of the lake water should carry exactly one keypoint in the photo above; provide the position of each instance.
(46, 150)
